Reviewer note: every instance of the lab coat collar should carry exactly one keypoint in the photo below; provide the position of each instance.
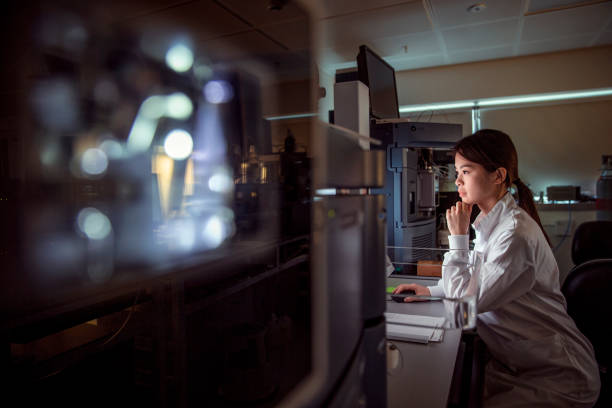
(484, 224)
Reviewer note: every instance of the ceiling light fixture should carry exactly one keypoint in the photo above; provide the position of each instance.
(276, 5)
(476, 8)
(510, 100)
(436, 106)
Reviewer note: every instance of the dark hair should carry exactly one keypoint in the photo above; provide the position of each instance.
(493, 149)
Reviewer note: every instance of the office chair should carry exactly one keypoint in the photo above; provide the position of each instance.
(592, 240)
(586, 289)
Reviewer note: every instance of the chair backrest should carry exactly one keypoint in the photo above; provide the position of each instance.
(592, 240)
(588, 289)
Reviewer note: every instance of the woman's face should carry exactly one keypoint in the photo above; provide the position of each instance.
(475, 184)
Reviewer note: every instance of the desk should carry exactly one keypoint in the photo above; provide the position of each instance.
(424, 379)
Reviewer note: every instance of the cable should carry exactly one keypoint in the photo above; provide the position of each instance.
(445, 117)
(569, 223)
(421, 113)
(441, 170)
(127, 319)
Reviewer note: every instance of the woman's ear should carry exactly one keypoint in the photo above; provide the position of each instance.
(500, 175)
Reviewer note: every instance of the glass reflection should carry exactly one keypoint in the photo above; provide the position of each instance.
(129, 128)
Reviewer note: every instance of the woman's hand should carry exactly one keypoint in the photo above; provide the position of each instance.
(458, 218)
(419, 290)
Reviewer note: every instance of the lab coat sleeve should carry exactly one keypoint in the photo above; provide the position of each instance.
(459, 245)
(455, 271)
(507, 273)
(437, 290)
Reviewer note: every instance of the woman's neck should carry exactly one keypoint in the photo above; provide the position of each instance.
(487, 205)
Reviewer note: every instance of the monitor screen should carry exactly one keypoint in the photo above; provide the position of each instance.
(379, 76)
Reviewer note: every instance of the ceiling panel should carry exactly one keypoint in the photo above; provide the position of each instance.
(557, 44)
(386, 22)
(410, 45)
(566, 23)
(343, 7)
(242, 45)
(481, 36)
(539, 5)
(401, 64)
(257, 13)
(291, 65)
(111, 11)
(450, 13)
(203, 20)
(295, 35)
(480, 54)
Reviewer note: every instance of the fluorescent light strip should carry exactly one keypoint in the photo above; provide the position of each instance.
(556, 96)
(295, 116)
(510, 100)
(436, 106)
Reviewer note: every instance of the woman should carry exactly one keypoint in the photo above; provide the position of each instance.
(539, 357)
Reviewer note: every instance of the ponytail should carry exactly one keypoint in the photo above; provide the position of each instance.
(525, 201)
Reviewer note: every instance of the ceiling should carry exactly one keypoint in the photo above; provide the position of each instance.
(408, 34)
(418, 34)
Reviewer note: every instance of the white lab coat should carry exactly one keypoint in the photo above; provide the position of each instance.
(539, 357)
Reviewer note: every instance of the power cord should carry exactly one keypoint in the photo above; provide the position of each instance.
(125, 322)
(569, 223)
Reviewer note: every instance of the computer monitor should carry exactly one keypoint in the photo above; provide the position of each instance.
(379, 76)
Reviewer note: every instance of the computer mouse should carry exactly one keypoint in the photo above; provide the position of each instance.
(399, 297)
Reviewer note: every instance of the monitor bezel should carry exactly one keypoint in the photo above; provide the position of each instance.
(364, 76)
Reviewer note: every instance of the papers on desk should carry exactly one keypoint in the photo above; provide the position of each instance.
(420, 329)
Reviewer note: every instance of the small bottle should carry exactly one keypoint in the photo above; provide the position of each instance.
(253, 165)
(289, 142)
(603, 201)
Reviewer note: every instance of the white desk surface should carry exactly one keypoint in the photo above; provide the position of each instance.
(425, 375)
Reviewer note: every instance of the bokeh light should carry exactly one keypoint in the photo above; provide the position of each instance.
(179, 57)
(221, 182)
(178, 106)
(93, 223)
(112, 148)
(214, 232)
(94, 162)
(178, 144)
(218, 91)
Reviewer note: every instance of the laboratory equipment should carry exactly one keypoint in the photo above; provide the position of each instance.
(379, 77)
(152, 255)
(563, 193)
(411, 182)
